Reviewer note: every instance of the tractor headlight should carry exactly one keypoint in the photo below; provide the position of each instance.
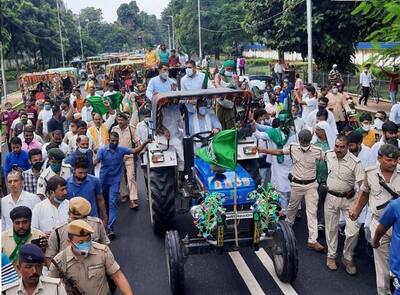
(195, 211)
(250, 150)
(157, 157)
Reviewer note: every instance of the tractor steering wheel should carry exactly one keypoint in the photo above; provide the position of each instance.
(203, 137)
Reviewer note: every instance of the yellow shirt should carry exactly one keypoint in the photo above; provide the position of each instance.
(369, 138)
(151, 59)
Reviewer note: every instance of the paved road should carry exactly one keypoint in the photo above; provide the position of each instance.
(141, 256)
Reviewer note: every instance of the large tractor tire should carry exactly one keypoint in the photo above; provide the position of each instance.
(284, 252)
(163, 192)
(175, 262)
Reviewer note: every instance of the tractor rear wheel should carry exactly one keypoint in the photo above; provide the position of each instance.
(163, 191)
(284, 252)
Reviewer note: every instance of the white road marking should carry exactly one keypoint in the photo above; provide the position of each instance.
(246, 274)
(286, 288)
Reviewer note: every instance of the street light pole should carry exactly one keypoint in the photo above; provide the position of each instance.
(173, 31)
(59, 27)
(3, 75)
(198, 15)
(80, 34)
(309, 42)
(169, 35)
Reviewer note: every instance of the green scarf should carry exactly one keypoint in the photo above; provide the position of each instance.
(19, 241)
(275, 135)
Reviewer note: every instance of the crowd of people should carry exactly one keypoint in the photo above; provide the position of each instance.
(71, 161)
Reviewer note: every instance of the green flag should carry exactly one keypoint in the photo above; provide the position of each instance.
(222, 150)
(115, 99)
(97, 103)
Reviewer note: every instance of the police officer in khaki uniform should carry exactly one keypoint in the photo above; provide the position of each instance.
(30, 267)
(344, 170)
(128, 138)
(56, 167)
(79, 208)
(303, 183)
(387, 171)
(88, 263)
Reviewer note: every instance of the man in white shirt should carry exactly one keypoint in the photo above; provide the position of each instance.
(278, 70)
(17, 197)
(365, 83)
(57, 138)
(53, 210)
(193, 80)
(395, 114)
(44, 116)
(161, 83)
(311, 119)
(389, 131)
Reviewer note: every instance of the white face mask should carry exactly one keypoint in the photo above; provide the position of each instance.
(228, 74)
(189, 72)
(147, 119)
(366, 127)
(335, 90)
(82, 150)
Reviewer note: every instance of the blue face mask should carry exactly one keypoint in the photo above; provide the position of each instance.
(113, 146)
(56, 167)
(84, 247)
(47, 107)
(202, 111)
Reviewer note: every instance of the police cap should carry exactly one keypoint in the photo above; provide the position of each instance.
(389, 151)
(56, 154)
(30, 253)
(80, 228)
(79, 206)
(21, 212)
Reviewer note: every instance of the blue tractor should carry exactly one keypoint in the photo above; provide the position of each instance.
(238, 223)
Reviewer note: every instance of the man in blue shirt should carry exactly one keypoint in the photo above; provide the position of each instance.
(111, 158)
(17, 157)
(82, 184)
(391, 218)
(161, 83)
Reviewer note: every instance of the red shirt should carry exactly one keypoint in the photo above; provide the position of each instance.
(32, 114)
(173, 61)
(9, 117)
(394, 80)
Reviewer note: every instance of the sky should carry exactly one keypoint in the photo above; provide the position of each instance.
(109, 7)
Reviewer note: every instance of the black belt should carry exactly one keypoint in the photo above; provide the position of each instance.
(299, 181)
(347, 195)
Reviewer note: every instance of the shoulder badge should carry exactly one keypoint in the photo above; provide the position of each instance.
(50, 280)
(99, 246)
(93, 219)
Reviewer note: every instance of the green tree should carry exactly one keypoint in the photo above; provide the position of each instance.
(385, 23)
(281, 24)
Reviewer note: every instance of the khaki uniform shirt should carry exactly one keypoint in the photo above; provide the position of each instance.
(45, 286)
(8, 243)
(304, 163)
(343, 173)
(47, 174)
(90, 272)
(127, 137)
(56, 246)
(336, 104)
(378, 195)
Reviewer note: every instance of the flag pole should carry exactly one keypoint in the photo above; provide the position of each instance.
(235, 209)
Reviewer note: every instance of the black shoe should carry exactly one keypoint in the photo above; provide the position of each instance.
(111, 235)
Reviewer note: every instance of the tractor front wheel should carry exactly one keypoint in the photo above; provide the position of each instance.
(284, 252)
(175, 261)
